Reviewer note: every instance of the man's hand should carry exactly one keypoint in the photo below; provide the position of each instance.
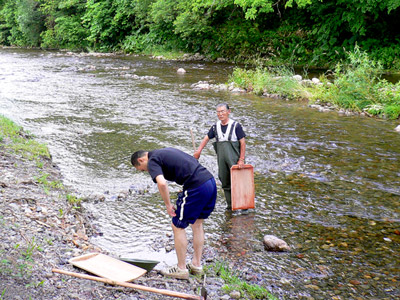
(196, 155)
(240, 163)
(203, 143)
(171, 210)
(164, 192)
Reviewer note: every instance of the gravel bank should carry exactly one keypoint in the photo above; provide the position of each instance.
(40, 230)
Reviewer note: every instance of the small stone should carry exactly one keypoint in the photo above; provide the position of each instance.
(284, 281)
(355, 282)
(181, 71)
(14, 206)
(312, 286)
(235, 295)
(298, 77)
(315, 80)
(272, 243)
(397, 128)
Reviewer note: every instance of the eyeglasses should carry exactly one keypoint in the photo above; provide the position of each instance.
(221, 112)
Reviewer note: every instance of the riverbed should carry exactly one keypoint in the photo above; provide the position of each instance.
(328, 184)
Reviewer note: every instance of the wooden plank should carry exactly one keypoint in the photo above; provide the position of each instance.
(107, 267)
(242, 187)
(133, 286)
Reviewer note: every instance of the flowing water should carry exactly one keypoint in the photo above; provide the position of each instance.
(329, 185)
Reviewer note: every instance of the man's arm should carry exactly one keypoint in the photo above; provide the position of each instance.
(242, 143)
(201, 147)
(164, 192)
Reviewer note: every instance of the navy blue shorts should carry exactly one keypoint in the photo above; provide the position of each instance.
(195, 204)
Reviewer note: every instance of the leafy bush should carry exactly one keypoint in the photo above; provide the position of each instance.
(358, 86)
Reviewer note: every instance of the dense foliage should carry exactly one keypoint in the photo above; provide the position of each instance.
(298, 32)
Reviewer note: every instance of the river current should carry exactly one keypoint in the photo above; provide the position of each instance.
(327, 184)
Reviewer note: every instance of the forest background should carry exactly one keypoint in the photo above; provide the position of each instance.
(302, 33)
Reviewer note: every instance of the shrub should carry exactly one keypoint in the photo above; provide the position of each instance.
(358, 86)
(273, 81)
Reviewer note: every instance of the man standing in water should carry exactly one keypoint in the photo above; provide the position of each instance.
(230, 146)
(195, 203)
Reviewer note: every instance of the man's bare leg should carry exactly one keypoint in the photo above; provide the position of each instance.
(198, 242)
(180, 245)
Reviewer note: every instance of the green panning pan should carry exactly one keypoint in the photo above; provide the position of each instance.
(141, 263)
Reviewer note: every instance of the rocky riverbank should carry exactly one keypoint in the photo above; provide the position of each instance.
(41, 230)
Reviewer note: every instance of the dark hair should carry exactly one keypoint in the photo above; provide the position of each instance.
(223, 105)
(135, 156)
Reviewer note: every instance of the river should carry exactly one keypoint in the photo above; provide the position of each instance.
(327, 184)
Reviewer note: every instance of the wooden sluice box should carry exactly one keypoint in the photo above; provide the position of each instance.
(242, 187)
(107, 267)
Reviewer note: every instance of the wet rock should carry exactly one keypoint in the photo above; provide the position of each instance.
(238, 90)
(397, 128)
(181, 71)
(284, 281)
(221, 60)
(201, 85)
(122, 195)
(312, 286)
(272, 243)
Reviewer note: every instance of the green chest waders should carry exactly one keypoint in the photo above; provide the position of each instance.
(227, 155)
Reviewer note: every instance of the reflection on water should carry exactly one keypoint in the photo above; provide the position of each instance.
(328, 185)
(237, 233)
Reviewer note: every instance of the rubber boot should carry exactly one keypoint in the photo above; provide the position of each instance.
(228, 199)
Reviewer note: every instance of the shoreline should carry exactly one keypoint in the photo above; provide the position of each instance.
(40, 230)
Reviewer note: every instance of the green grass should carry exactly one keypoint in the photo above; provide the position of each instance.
(73, 200)
(18, 261)
(357, 86)
(233, 282)
(2, 294)
(20, 142)
(42, 179)
(277, 80)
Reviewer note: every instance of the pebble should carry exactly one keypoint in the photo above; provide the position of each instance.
(235, 295)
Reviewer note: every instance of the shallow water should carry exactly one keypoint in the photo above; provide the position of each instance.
(327, 184)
